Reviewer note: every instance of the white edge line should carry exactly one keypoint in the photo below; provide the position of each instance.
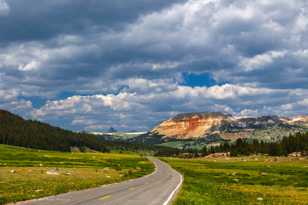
(174, 191)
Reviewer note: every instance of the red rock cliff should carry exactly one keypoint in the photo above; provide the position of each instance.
(191, 125)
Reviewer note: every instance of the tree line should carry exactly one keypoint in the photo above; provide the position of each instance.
(296, 143)
(293, 143)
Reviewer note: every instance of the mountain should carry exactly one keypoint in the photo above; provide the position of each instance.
(299, 120)
(198, 129)
(118, 136)
(112, 130)
(190, 125)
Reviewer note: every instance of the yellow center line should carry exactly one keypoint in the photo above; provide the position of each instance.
(105, 197)
(108, 196)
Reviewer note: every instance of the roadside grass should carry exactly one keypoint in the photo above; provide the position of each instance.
(28, 173)
(242, 181)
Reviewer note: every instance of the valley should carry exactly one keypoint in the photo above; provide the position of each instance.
(222, 159)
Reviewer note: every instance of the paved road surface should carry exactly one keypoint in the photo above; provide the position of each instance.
(156, 189)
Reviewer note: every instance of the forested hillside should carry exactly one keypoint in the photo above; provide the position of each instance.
(14, 130)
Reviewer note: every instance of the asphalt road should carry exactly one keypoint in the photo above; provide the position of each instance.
(156, 189)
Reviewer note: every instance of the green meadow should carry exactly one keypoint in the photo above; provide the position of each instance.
(242, 181)
(27, 173)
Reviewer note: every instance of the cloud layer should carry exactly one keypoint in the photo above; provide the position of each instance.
(92, 64)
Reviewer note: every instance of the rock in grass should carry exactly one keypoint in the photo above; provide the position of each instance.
(13, 171)
(259, 199)
(236, 180)
(52, 172)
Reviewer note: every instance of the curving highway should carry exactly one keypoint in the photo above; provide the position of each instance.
(158, 188)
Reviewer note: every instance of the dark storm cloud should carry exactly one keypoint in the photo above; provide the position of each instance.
(44, 19)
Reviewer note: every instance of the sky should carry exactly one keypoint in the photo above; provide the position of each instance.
(89, 65)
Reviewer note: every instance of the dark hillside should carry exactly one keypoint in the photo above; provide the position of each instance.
(14, 130)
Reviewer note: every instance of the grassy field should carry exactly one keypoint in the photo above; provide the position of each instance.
(250, 180)
(27, 174)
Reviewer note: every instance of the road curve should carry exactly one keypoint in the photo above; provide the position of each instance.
(157, 188)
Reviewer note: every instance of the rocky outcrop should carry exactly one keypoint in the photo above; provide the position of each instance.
(203, 125)
(191, 125)
(299, 120)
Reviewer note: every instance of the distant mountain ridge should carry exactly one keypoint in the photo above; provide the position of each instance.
(207, 127)
(199, 125)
